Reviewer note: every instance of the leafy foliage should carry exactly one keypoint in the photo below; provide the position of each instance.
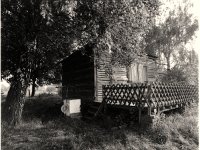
(43, 33)
(185, 70)
(175, 75)
(175, 32)
(124, 36)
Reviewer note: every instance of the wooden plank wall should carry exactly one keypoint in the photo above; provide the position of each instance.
(102, 78)
(78, 77)
(119, 75)
(84, 80)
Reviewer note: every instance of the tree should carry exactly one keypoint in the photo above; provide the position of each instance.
(37, 35)
(185, 69)
(125, 33)
(28, 48)
(44, 77)
(187, 61)
(176, 31)
(21, 23)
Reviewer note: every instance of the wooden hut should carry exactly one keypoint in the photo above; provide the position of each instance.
(82, 79)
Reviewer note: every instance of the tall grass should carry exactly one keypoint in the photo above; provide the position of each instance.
(171, 132)
(178, 130)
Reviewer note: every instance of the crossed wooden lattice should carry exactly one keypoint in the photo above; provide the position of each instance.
(152, 95)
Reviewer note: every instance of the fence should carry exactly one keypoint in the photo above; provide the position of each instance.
(163, 94)
(150, 95)
(125, 94)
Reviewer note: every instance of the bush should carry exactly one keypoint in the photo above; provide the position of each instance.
(175, 75)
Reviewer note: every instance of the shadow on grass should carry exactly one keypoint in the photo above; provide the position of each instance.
(69, 134)
(59, 132)
(43, 107)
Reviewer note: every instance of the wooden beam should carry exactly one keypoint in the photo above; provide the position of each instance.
(95, 81)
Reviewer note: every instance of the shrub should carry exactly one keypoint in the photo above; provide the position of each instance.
(175, 75)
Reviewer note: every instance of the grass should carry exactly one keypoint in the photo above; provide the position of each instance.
(180, 131)
(171, 132)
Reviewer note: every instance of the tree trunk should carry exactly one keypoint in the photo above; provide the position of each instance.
(33, 87)
(15, 102)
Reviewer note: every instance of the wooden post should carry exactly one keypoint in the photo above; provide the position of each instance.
(104, 107)
(140, 113)
(104, 100)
(140, 106)
(148, 99)
(149, 110)
(95, 80)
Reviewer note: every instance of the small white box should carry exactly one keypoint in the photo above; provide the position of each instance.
(71, 107)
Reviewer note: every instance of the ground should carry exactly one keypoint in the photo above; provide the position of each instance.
(172, 132)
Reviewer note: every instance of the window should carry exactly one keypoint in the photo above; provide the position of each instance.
(137, 73)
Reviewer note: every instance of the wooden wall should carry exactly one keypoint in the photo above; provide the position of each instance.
(120, 75)
(102, 78)
(78, 77)
(84, 80)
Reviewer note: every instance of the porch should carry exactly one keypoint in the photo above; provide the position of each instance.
(149, 99)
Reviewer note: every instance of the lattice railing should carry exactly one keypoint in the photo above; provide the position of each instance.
(126, 94)
(162, 94)
(152, 95)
